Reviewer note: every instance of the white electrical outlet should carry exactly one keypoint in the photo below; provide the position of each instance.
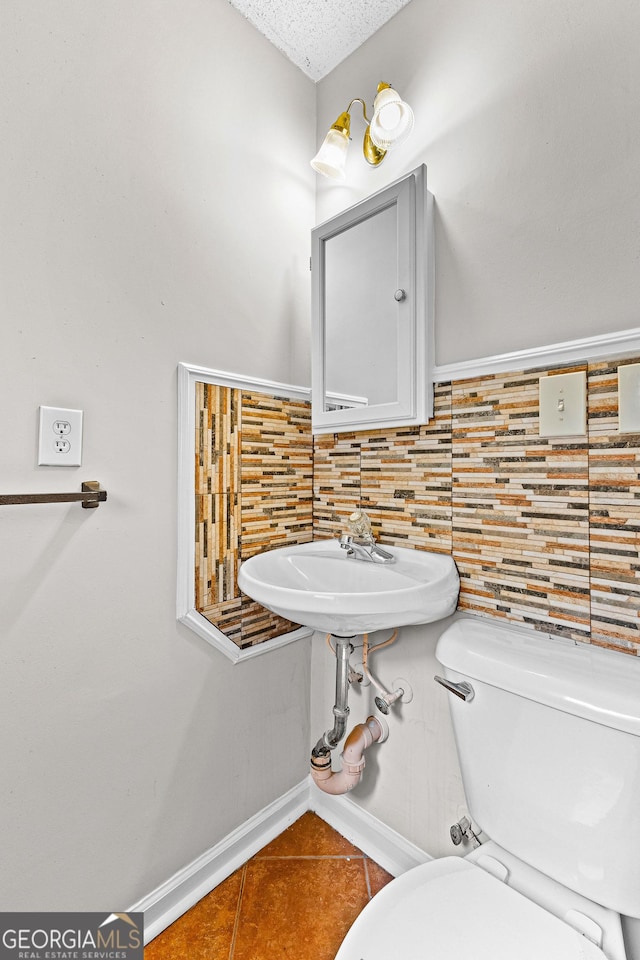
(60, 437)
(563, 405)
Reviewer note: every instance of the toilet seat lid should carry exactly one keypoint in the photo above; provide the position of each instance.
(451, 908)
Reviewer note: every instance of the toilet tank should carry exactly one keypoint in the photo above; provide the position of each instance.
(549, 748)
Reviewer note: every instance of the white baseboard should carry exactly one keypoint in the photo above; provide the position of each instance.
(186, 887)
(181, 891)
(378, 841)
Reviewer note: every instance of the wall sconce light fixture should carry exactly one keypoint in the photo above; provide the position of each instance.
(391, 124)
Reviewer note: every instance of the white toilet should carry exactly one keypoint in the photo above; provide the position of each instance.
(548, 739)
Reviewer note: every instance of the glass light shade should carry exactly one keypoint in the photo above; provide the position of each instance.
(392, 119)
(331, 158)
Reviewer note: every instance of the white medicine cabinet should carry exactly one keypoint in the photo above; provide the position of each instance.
(372, 311)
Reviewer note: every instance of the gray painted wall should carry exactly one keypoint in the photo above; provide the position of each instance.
(526, 120)
(144, 221)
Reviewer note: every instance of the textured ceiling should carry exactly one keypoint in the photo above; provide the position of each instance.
(317, 34)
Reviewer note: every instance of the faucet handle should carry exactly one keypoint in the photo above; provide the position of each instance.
(360, 524)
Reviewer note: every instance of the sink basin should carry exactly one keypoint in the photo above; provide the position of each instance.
(319, 586)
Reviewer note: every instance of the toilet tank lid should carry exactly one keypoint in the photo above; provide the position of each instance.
(578, 678)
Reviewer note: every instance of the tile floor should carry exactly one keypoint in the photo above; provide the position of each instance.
(295, 899)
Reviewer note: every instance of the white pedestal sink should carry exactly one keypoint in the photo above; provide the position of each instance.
(319, 586)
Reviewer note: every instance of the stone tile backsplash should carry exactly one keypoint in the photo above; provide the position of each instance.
(254, 457)
(543, 531)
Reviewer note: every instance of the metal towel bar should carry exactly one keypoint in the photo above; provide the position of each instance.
(91, 496)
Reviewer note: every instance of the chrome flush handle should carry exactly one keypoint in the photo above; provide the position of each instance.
(463, 690)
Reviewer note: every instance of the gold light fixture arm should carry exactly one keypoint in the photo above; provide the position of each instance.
(372, 154)
(364, 107)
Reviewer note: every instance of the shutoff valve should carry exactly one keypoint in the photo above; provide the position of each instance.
(462, 830)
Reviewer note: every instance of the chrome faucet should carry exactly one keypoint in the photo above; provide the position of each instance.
(360, 542)
(365, 548)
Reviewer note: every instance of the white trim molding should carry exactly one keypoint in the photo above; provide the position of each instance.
(381, 843)
(608, 346)
(188, 375)
(185, 888)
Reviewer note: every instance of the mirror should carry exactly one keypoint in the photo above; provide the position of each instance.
(372, 291)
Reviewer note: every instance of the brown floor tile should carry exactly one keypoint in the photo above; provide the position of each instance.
(378, 878)
(295, 899)
(206, 931)
(309, 837)
(298, 908)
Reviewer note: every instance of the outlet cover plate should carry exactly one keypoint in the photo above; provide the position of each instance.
(60, 437)
(563, 405)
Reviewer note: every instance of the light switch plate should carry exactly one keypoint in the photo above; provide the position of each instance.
(563, 405)
(60, 437)
(629, 398)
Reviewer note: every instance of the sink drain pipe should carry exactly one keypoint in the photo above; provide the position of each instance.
(362, 736)
(341, 781)
(331, 738)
